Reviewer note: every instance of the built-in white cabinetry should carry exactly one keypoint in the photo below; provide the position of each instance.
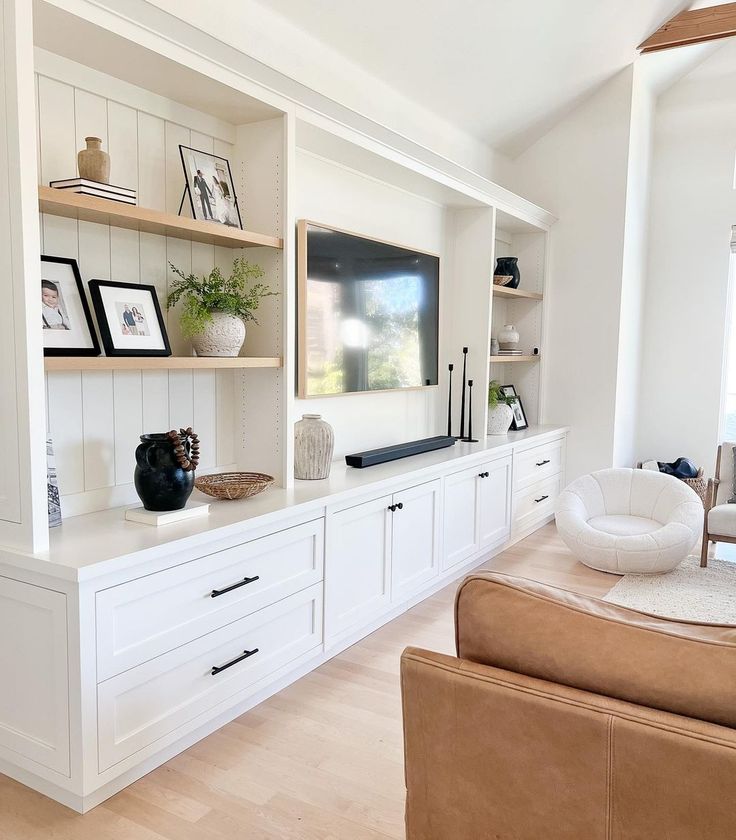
(494, 502)
(415, 543)
(537, 483)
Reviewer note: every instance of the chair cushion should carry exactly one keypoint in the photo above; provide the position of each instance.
(722, 520)
(623, 525)
(579, 641)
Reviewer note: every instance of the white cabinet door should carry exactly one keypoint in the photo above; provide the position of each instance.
(460, 519)
(357, 565)
(494, 502)
(416, 539)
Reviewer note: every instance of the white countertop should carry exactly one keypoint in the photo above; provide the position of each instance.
(84, 547)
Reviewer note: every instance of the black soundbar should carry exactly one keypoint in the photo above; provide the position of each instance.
(399, 450)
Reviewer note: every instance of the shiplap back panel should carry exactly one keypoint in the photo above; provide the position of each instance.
(95, 418)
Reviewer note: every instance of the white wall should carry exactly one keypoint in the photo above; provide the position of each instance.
(329, 193)
(693, 206)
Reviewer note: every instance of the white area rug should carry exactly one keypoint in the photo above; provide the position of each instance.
(688, 592)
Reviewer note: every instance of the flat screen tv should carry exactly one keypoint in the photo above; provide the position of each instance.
(368, 314)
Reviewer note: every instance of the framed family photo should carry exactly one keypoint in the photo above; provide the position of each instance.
(130, 319)
(65, 317)
(519, 422)
(210, 187)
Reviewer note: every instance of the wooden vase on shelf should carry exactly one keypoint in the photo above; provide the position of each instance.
(93, 163)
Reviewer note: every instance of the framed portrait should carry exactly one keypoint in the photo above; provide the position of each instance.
(210, 187)
(130, 319)
(519, 422)
(65, 317)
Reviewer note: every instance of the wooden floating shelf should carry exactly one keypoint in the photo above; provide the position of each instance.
(504, 359)
(503, 292)
(52, 363)
(107, 212)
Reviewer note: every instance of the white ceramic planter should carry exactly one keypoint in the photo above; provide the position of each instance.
(499, 419)
(314, 442)
(223, 336)
(508, 337)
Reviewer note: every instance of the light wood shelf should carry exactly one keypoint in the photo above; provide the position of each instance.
(503, 292)
(52, 363)
(107, 212)
(502, 360)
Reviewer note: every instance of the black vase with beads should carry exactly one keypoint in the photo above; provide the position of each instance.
(508, 267)
(164, 469)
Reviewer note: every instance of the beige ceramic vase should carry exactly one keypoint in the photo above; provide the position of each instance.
(93, 163)
(314, 443)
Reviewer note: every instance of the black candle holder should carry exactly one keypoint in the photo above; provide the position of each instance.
(449, 403)
(470, 438)
(462, 400)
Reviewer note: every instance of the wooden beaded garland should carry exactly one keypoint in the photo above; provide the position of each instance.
(180, 439)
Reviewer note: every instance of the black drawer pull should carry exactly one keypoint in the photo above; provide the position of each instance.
(399, 505)
(244, 655)
(542, 499)
(483, 475)
(243, 582)
(392, 508)
(542, 463)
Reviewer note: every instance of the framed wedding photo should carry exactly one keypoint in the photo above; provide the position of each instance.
(210, 187)
(519, 422)
(130, 319)
(65, 317)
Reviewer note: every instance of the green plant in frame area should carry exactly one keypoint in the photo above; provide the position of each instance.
(240, 294)
(496, 395)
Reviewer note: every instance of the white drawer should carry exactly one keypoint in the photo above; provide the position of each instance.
(532, 465)
(137, 708)
(146, 617)
(535, 503)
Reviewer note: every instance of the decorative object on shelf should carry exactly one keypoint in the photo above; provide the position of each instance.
(93, 163)
(520, 422)
(371, 457)
(164, 470)
(494, 347)
(67, 324)
(216, 309)
(507, 267)
(462, 394)
(314, 442)
(500, 411)
(83, 186)
(129, 318)
(233, 485)
(450, 368)
(54, 502)
(470, 438)
(209, 183)
(508, 338)
(502, 279)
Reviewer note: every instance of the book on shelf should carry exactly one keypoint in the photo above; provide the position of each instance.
(82, 186)
(510, 352)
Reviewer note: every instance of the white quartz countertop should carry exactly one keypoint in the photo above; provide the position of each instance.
(94, 544)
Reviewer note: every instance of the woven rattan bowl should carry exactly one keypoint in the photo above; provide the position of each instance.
(233, 485)
(502, 279)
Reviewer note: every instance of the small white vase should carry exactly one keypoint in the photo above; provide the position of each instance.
(223, 336)
(314, 442)
(499, 419)
(508, 337)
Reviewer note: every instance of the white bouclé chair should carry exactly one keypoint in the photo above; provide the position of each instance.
(629, 521)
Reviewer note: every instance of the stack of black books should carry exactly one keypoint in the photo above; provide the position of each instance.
(96, 189)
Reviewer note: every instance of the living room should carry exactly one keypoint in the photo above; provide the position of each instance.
(369, 474)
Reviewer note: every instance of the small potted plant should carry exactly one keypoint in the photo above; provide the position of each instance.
(500, 413)
(216, 308)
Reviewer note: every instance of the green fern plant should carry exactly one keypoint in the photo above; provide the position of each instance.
(239, 294)
(496, 395)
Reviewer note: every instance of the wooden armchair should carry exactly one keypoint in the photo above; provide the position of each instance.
(720, 516)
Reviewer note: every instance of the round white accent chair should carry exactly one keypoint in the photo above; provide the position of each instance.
(629, 521)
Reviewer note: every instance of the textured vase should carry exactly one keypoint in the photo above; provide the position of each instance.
(314, 442)
(507, 267)
(499, 419)
(93, 163)
(160, 481)
(223, 336)
(508, 337)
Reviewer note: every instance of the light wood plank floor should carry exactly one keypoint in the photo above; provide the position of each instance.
(322, 760)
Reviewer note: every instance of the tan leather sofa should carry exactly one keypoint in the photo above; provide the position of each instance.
(563, 716)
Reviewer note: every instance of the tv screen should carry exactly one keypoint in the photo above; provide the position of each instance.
(368, 314)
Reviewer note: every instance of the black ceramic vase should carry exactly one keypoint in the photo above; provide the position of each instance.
(160, 480)
(507, 267)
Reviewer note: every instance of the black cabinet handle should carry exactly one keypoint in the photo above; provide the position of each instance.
(483, 475)
(392, 508)
(399, 505)
(542, 499)
(542, 463)
(244, 582)
(244, 655)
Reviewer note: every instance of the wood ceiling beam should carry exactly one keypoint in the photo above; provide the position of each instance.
(693, 27)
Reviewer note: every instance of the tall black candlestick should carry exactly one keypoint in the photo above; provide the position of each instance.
(470, 438)
(449, 403)
(462, 401)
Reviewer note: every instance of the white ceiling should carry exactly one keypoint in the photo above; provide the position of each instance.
(503, 70)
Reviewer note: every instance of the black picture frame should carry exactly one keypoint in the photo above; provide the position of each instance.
(510, 391)
(190, 186)
(94, 350)
(102, 313)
